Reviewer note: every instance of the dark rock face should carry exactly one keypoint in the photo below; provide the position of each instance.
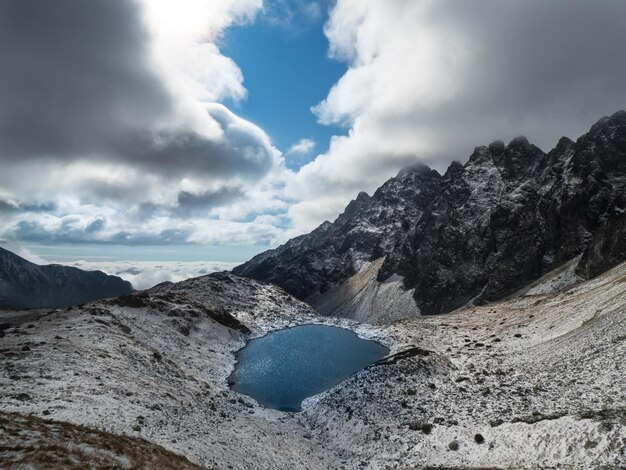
(479, 232)
(607, 247)
(26, 285)
(369, 228)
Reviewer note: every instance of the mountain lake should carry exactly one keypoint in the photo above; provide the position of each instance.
(286, 366)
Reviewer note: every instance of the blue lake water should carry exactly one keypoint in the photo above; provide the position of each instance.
(286, 366)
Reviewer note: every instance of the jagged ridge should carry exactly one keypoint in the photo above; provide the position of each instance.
(479, 232)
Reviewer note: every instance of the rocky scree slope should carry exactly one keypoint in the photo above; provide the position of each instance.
(476, 234)
(534, 382)
(27, 285)
(155, 364)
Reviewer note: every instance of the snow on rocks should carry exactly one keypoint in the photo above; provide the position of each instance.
(534, 381)
(508, 216)
(540, 378)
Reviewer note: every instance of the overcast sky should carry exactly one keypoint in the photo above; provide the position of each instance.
(128, 123)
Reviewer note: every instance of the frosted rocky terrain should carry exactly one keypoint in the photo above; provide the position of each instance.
(537, 381)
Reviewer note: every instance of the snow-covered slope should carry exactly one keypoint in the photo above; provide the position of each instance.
(26, 285)
(534, 382)
(155, 365)
(477, 234)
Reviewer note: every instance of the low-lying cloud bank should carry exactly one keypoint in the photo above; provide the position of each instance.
(146, 274)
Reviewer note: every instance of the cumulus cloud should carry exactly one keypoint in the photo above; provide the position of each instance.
(110, 115)
(87, 81)
(114, 227)
(189, 202)
(431, 79)
(76, 77)
(19, 207)
(302, 147)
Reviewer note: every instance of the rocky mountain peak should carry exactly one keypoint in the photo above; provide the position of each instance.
(355, 206)
(363, 197)
(496, 147)
(455, 169)
(519, 159)
(564, 144)
(615, 121)
(482, 231)
(519, 142)
(416, 168)
(621, 114)
(480, 156)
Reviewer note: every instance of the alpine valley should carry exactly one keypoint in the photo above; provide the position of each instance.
(499, 288)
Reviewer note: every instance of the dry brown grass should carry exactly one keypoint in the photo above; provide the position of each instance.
(30, 442)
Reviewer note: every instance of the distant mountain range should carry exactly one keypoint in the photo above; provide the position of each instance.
(477, 233)
(25, 285)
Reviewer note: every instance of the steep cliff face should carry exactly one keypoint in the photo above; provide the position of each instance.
(514, 213)
(476, 234)
(368, 229)
(26, 285)
(607, 247)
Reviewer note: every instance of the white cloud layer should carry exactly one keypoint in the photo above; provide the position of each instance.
(146, 274)
(112, 131)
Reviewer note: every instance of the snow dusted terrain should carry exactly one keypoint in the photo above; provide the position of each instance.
(362, 297)
(537, 381)
(534, 382)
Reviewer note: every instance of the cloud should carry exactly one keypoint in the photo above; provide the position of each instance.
(17, 207)
(86, 83)
(112, 128)
(146, 274)
(430, 80)
(78, 77)
(116, 229)
(302, 147)
(294, 16)
(188, 203)
(141, 274)
(110, 116)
